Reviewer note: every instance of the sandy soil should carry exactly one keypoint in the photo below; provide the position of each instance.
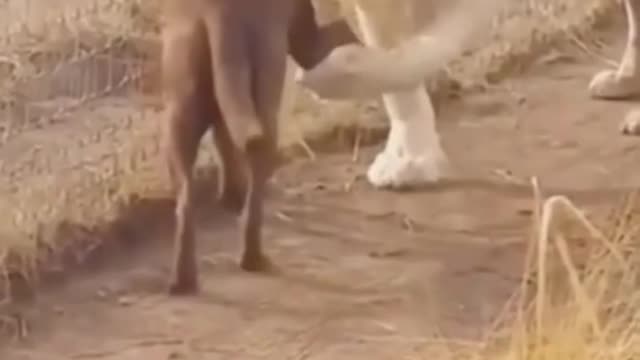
(363, 274)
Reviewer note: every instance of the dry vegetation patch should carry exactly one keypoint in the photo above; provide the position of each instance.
(582, 295)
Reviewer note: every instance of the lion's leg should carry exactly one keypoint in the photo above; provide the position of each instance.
(623, 82)
(413, 155)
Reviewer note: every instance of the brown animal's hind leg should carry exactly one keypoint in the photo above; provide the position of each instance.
(248, 74)
(270, 57)
(186, 81)
(232, 181)
(252, 217)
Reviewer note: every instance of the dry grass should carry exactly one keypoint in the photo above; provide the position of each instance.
(585, 305)
(581, 292)
(596, 319)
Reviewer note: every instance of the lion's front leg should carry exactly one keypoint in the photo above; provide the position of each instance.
(623, 82)
(413, 155)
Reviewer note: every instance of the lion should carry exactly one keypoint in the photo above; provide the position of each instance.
(401, 53)
(413, 154)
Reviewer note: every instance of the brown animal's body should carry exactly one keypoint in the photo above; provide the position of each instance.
(223, 64)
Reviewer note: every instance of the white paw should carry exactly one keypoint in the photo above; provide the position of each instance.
(631, 123)
(397, 170)
(609, 84)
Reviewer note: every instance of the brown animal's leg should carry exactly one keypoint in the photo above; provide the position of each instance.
(310, 43)
(252, 216)
(232, 183)
(249, 66)
(182, 149)
(270, 56)
(232, 75)
(184, 84)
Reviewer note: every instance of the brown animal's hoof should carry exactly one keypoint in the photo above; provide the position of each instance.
(183, 287)
(256, 263)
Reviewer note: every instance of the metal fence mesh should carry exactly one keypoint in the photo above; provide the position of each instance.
(72, 117)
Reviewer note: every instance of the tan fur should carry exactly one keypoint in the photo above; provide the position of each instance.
(411, 41)
(408, 42)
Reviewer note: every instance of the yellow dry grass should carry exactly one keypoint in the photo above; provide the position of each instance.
(585, 305)
(577, 312)
(580, 295)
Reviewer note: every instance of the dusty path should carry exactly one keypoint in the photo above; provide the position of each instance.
(363, 274)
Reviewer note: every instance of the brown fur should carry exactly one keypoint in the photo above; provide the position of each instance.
(223, 64)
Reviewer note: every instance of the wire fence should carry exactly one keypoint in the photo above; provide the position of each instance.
(72, 119)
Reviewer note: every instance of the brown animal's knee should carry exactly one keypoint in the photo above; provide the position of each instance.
(262, 156)
(232, 170)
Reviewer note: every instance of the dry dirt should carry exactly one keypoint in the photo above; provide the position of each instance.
(363, 274)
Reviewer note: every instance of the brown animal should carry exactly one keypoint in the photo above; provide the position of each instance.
(223, 65)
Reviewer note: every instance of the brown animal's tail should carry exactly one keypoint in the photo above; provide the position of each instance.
(232, 80)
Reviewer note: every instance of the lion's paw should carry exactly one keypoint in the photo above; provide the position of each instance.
(610, 84)
(394, 169)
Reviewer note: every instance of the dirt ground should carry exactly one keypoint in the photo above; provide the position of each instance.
(363, 274)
